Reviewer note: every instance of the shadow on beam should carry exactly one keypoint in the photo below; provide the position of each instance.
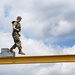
(37, 59)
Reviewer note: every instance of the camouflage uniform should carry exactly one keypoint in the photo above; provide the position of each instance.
(16, 35)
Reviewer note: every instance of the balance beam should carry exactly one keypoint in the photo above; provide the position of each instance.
(37, 59)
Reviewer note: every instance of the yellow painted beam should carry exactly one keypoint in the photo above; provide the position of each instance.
(37, 59)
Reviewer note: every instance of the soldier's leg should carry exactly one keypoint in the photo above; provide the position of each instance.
(18, 43)
(13, 47)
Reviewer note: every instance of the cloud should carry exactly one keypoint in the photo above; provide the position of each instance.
(46, 18)
(62, 29)
(41, 19)
(55, 69)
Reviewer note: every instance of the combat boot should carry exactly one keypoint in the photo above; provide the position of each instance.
(21, 53)
(11, 50)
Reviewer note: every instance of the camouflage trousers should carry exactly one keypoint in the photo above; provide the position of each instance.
(17, 42)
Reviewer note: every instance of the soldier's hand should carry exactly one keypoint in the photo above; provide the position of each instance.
(17, 30)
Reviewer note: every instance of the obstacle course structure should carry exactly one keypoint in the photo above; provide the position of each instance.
(9, 58)
(5, 53)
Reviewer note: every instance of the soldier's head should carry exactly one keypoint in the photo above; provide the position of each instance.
(19, 18)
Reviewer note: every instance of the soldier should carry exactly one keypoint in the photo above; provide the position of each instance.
(16, 36)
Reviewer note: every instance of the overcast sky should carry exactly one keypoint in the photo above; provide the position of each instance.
(48, 27)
